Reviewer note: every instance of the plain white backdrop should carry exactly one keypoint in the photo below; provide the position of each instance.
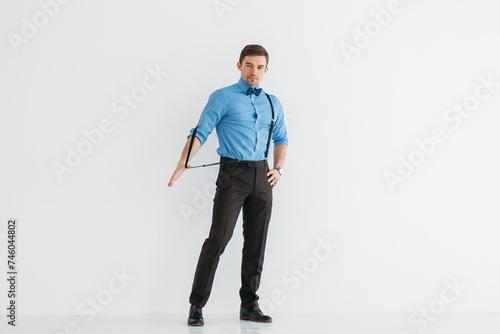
(361, 82)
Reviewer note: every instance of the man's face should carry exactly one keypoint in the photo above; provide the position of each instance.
(253, 69)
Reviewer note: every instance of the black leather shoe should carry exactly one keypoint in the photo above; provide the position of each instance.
(254, 314)
(195, 316)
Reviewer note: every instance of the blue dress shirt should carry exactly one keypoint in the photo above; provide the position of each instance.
(242, 122)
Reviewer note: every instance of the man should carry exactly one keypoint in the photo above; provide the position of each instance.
(242, 116)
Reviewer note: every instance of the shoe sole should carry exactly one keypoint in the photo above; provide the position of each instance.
(197, 324)
(242, 317)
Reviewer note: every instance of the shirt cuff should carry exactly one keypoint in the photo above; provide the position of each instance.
(202, 138)
(281, 141)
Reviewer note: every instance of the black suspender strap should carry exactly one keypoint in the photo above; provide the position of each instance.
(272, 125)
(217, 163)
(190, 146)
(189, 152)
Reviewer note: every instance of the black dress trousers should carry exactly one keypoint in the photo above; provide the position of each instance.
(240, 184)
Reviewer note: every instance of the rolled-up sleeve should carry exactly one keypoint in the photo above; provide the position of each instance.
(280, 135)
(211, 115)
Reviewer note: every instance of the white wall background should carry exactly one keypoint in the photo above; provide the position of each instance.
(348, 122)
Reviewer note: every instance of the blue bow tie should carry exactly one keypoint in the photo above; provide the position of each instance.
(255, 91)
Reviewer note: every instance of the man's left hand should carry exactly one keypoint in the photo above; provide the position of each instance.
(273, 176)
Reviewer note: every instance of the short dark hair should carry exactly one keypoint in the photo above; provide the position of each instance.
(254, 50)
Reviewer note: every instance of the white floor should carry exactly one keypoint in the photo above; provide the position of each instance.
(229, 324)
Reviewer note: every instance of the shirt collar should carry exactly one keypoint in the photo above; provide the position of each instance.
(244, 86)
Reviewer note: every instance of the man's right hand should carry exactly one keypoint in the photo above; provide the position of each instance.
(177, 173)
(180, 165)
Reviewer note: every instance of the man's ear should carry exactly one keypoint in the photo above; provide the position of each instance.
(238, 64)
